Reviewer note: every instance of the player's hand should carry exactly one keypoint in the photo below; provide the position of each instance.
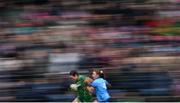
(90, 89)
(88, 80)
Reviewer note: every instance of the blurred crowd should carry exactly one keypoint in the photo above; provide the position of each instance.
(135, 42)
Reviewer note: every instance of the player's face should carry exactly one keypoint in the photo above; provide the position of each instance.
(94, 75)
(74, 77)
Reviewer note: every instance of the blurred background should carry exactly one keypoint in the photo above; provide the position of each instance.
(135, 42)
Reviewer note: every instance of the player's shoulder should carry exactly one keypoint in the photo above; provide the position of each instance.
(98, 80)
(82, 77)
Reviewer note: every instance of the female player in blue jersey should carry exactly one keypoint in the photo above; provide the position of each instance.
(100, 86)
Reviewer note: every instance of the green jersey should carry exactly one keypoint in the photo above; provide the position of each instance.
(83, 94)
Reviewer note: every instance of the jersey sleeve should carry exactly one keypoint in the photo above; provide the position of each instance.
(94, 84)
(82, 78)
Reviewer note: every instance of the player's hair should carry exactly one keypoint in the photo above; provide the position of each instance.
(100, 73)
(73, 73)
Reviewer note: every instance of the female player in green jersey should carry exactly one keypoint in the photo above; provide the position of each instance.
(81, 87)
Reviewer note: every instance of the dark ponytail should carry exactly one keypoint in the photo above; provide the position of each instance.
(101, 75)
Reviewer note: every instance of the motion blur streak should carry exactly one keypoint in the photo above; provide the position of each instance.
(135, 42)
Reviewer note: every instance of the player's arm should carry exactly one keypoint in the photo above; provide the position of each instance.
(90, 89)
(88, 80)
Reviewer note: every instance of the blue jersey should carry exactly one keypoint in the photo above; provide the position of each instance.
(101, 89)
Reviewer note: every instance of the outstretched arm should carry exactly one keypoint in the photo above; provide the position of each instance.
(90, 89)
(88, 80)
